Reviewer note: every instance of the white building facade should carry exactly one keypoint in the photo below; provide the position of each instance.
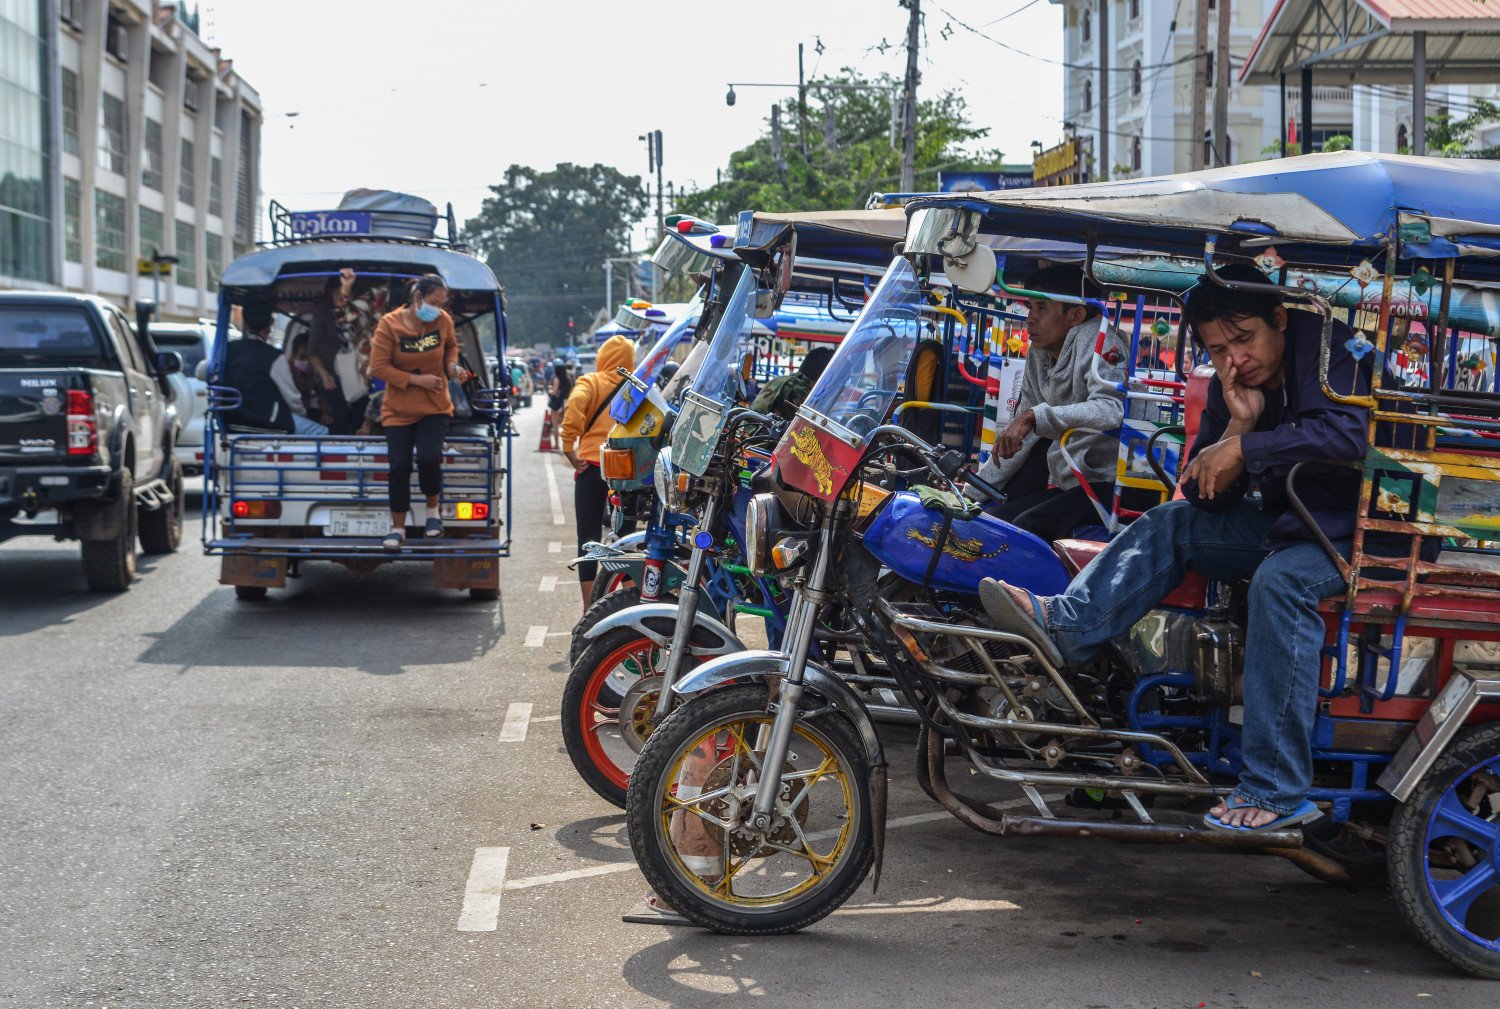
(149, 145)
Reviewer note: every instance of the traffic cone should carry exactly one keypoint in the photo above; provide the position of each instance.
(546, 442)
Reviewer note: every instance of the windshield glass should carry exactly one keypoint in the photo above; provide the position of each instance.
(864, 378)
(731, 342)
(189, 345)
(625, 404)
(49, 336)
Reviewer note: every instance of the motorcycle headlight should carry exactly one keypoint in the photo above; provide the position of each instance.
(758, 518)
(665, 479)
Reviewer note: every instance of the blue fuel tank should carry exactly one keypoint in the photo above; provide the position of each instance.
(904, 534)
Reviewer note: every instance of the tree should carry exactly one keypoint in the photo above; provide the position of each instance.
(849, 151)
(1450, 138)
(546, 235)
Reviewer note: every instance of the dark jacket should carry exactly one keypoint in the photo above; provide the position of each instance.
(247, 367)
(1300, 424)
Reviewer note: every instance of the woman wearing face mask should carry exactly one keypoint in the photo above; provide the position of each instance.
(415, 352)
(298, 383)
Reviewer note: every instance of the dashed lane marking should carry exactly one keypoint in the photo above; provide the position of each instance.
(547, 718)
(535, 635)
(552, 493)
(554, 548)
(549, 584)
(481, 911)
(517, 717)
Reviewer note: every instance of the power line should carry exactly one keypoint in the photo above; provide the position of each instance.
(1061, 63)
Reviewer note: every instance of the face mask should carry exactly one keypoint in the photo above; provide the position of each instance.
(428, 313)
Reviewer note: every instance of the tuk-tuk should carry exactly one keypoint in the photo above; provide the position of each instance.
(275, 500)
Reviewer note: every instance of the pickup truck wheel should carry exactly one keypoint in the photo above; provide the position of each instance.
(161, 530)
(484, 595)
(250, 593)
(109, 565)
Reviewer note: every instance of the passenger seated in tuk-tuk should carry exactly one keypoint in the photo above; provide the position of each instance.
(247, 368)
(1266, 412)
(300, 389)
(1059, 392)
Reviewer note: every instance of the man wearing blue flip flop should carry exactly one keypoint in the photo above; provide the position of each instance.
(1266, 412)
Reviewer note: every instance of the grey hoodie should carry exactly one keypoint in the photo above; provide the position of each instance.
(1061, 391)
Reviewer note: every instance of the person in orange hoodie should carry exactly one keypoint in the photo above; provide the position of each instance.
(586, 423)
(416, 351)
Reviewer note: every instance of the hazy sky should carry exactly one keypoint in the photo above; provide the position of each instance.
(437, 97)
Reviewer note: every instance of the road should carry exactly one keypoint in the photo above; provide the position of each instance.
(296, 804)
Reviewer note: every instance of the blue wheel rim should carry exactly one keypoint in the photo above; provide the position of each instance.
(1454, 897)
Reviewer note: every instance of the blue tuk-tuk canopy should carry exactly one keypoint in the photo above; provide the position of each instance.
(1333, 208)
(461, 272)
(854, 236)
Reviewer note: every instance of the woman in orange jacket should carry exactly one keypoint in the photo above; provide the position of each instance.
(586, 423)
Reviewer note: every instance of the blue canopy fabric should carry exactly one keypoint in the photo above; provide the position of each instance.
(263, 267)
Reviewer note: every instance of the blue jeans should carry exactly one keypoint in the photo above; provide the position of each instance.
(303, 425)
(1284, 638)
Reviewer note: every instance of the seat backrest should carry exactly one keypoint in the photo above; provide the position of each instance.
(1196, 402)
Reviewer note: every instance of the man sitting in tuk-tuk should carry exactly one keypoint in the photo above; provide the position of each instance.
(1267, 411)
(1059, 392)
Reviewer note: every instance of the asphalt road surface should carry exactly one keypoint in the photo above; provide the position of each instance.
(339, 798)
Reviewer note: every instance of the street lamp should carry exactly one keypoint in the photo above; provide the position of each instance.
(729, 98)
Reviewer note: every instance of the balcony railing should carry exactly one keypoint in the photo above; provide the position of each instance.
(1322, 93)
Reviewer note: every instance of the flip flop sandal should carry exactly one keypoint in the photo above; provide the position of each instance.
(433, 528)
(1007, 616)
(393, 540)
(657, 913)
(1306, 812)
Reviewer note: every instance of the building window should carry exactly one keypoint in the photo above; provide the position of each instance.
(1086, 28)
(213, 259)
(1135, 78)
(116, 37)
(109, 231)
(1208, 63)
(112, 135)
(153, 163)
(244, 192)
(1403, 140)
(187, 259)
(1135, 154)
(191, 87)
(153, 233)
(1135, 9)
(215, 189)
(72, 221)
(69, 11)
(1088, 95)
(187, 185)
(70, 111)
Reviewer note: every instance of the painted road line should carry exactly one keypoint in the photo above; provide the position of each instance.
(517, 716)
(554, 548)
(549, 584)
(552, 494)
(481, 912)
(535, 635)
(557, 718)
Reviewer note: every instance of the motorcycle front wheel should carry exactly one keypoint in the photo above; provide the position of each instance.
(692, 793)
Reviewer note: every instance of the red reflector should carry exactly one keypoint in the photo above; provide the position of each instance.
(333, 474)
(614, 500)
(333, 458)
(481, 510)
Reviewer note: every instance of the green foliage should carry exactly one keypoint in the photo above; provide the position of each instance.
(1448, 137)
(846, 163)
(1338, 142)
(546, 235)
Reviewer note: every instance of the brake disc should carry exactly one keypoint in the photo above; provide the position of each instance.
(782, 833)
(637, 718)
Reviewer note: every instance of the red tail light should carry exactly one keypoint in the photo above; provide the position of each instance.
(481, 510)
(83, 426)
(255, 509)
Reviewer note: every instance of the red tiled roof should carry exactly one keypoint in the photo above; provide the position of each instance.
(1433, 10)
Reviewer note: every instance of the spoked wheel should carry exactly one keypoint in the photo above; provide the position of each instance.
(609, 708)
(693, 793)
(1445, 854)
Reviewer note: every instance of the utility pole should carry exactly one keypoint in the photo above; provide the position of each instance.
(1105, 168)
(776, 152)
(909, 98)
(801, 105)
(653, 164)
(1199, 99)
(1221, 86)
(609, 285)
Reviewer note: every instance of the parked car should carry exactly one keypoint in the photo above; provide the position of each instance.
(522, 387)
(88, 432)
(191, 340)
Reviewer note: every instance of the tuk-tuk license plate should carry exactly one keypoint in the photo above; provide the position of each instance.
(357, 522)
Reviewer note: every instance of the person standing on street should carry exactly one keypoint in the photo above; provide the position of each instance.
(585, 424)
(415, 352)
(558, 388)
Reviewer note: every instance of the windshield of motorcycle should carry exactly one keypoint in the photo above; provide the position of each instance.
(733, 338)
(863, 380)
(631, 397)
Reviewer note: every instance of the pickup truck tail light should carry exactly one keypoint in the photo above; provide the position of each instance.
(83, 426)
(466, 511)
(255, 509)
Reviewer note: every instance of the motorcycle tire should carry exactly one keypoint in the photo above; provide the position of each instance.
(596, 683)
(1456, 912)
(597, 611)
(650, 829)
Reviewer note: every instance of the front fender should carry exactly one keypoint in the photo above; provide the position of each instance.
(657, 621)
(762, 665)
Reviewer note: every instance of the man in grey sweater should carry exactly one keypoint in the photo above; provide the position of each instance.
(1059, 391)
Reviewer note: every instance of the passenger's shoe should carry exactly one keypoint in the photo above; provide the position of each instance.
(394, 539)
(1008, 616)
(434, 528)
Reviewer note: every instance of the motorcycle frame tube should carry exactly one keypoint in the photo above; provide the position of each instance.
(687, 612)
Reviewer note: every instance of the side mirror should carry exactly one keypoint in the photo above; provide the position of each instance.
(168, 362)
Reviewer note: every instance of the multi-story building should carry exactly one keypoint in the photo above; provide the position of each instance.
(123, 137)
(1149, 112)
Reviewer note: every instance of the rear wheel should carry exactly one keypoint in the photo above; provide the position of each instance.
(250, 593)
(161, 530)
(609, 585)
(1445, 854)
(109, 565)
(693, 792)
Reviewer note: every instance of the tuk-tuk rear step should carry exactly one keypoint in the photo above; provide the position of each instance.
(353, 546)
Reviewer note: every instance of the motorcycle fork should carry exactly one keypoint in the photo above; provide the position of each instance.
(687, 613)
(801, 625)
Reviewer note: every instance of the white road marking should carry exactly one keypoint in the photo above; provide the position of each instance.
(535, 635)
(481, 912)
(552, 493)
(554, 548)
(551, 718)
(549, 584)
(517, 716)
(563, 877)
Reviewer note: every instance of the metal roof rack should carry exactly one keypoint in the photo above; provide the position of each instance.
(298, 227)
